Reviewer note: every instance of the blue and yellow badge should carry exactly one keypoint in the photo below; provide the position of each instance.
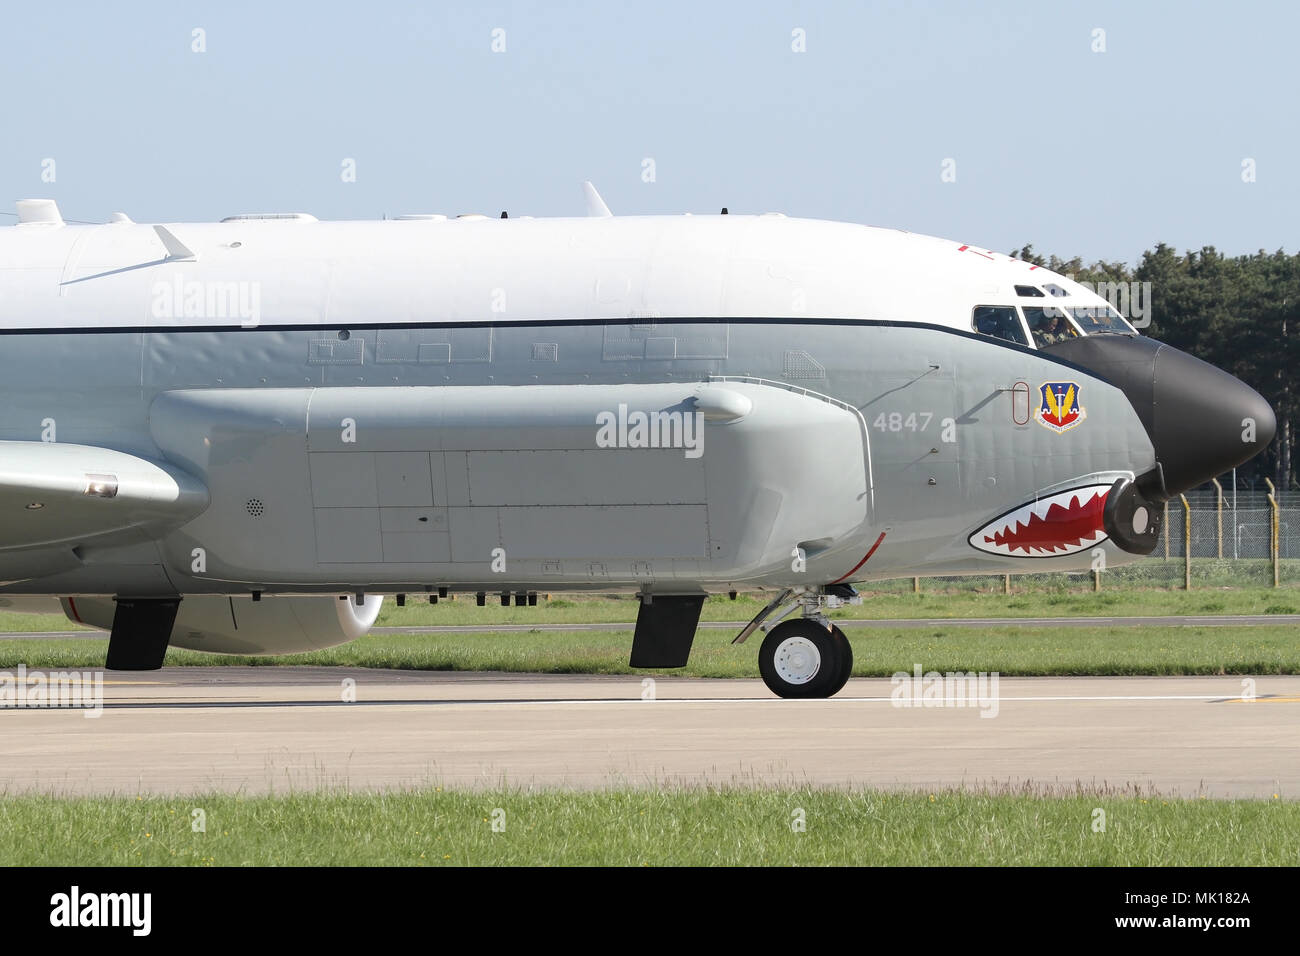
(1060, 408)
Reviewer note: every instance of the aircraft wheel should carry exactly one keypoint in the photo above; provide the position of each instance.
(801, 659)
(847, 667)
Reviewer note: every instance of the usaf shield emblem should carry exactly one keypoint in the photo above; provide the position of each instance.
(1059, 407)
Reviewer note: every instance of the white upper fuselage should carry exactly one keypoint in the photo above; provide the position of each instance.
(489, 270)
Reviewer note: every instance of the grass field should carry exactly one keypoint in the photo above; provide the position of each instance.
(877, 652)
(952, 600)
(876, 605)
(649, 828)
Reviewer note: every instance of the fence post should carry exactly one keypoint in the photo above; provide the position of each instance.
(1166, 530)
(1006, 584)
(1187, 543)
(916, 585)
(1277, 542)
(1274, 527)
(1218, 508)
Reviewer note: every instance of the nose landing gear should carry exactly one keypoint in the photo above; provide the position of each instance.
(808, 657)
(805, 659)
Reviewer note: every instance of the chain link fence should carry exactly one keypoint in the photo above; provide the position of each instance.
(1211, 541)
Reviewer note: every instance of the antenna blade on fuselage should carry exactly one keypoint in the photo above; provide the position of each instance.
(175, 248)
(595, 205)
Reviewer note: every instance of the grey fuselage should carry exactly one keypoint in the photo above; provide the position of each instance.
(100, 388)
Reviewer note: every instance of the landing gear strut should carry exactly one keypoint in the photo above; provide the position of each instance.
(807, 657)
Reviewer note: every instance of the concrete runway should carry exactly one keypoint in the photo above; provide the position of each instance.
(1176, 620)
(274, 729)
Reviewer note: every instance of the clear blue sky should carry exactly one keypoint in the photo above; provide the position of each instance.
(1096, 154)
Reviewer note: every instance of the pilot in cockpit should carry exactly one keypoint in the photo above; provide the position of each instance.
(1048, 326)
(1055, 331)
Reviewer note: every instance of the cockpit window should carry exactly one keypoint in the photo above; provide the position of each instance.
(1000, 322)
(1030, 291)
(1100, 318)
(1055, 290)
(1048, 325)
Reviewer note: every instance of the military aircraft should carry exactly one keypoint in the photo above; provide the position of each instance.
(236, 436)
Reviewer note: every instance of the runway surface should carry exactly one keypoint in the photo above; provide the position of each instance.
(1178, 620)
(276, 729)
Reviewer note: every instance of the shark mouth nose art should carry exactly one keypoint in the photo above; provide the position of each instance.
(1063, 523)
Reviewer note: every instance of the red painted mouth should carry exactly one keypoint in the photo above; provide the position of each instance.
(1063, 523)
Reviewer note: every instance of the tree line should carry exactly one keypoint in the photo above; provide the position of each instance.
(1231, 311)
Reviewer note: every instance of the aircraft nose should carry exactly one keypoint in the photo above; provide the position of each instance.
(1201, 420)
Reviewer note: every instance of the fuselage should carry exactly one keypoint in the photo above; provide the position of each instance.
(865, 391)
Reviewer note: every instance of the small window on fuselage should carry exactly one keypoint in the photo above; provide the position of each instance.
(999, 322)
(1029, 291)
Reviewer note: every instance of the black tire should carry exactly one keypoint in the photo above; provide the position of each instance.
(846, 668)
(802, 660)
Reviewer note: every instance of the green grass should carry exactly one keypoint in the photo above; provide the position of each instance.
(937, 599)
(1053, 595)
(641, 827)
(881, 651)
(14, 623)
